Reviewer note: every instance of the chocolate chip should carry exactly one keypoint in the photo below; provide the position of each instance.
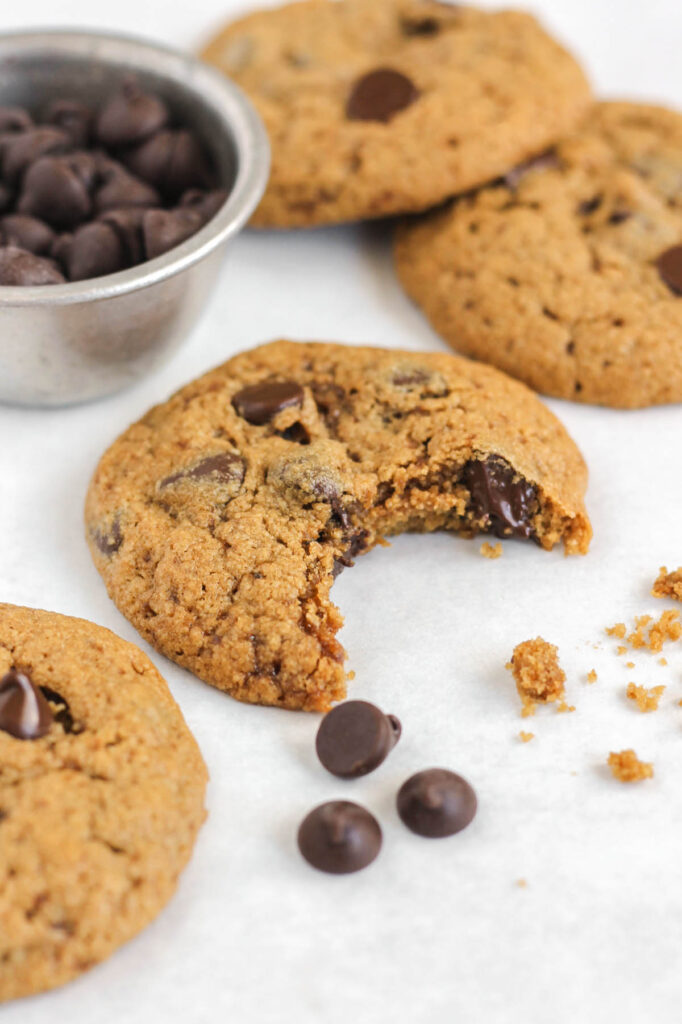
(14, 119)
(339, 837)
(72, 117)
(24, 711)
(207, 203)
(436, 803)
(669, 265)
(420, 26)
(379, 95)
(358, 544)
(118, 189)
(108, 541)
(619, 216)
(172, 161)
(222, 468)
(93, 250)
(162, 230)
(355, 738)
(543, 162)
(6, 198)
(589, 206)
(57, 189)
(505, 502)
(20, 151)
(26, 233)
(258, 403)
(61, 711)
(130, 116)
(297, 433)
(128, 224)
(18, 267)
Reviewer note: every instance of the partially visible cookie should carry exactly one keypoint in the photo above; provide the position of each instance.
(220, 520)
(376, 107)
(101, 796)
(567, 273)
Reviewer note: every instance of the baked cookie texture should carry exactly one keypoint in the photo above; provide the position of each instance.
(220, 520)
(376, 107)
(98, 816)
(568, 273)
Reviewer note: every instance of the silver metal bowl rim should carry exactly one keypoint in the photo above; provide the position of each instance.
(253, 166)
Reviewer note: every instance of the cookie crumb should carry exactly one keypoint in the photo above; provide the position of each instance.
(646, 700)
(619, 630)
(667, 628)
(621, 649)
(592, 676)
(538, 676)
(662, 661)
(563, 706)
(668, 584)
(526, 737)
(491, 550)
(629, 664)
(522, 883)
(626, 766)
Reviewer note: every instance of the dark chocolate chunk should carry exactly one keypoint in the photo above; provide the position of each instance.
(18, 267)
(354, 738)
(57, 189)
(436, 803)
(6, 198)
(108, 541)
(172, 161)
(118, 189)
(260, 402)
(339, 837)
(504, 501)
(130, 116)
(24, 711)
(20, 151)
(207, 203)
(162, 230)
(669, 265)
(27, 233)
(380, 95)
(542, 162)
(619, 216)
(420, 26)
(223, 468)
(72, 117)
(93, 250)
(14, 119)
(357, 544)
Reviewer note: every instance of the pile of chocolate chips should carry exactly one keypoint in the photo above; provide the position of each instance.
(86, 192)
(340, 837)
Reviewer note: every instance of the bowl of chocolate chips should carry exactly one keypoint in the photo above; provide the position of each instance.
(125, 169)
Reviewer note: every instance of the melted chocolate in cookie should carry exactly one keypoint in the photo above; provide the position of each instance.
(500, 498)
(259, 403)
(380, 95)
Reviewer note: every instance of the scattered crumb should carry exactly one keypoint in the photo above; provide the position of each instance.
(626, 767)
(668, 584)
(526, 737)
(618, 630)
(539, 677)
(647, 700)
(667, 628)
(563, 706)
(522, 883)
(491, 550)
(662, 661)
(621, 649)
(592, 676)
(629, 664)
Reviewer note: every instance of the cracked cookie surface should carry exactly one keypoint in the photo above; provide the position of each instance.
(220, 519)
(568, 274)
(376, 107)
(99, 812)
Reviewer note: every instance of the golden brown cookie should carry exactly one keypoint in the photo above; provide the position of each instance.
(101, 796)
(377, 107)
(220, 520)
(568, 272)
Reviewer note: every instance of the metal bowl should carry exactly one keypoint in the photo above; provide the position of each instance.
(68, 343)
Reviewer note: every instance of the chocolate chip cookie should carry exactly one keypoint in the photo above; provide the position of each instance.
(376, 107)
(567, 273)
(220, 520)
(101, 796)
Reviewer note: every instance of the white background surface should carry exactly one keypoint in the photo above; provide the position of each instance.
(434, 931)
